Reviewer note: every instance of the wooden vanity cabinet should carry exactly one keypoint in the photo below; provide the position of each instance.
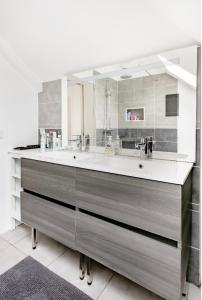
(47, 179)
(151, 205)
(50, 218)
(148, 261)
(138, 228)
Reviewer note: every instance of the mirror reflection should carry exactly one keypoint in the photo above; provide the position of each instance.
(136, 107)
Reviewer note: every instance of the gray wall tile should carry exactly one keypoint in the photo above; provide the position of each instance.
(148, 92)
(165, 146)
(50, 105)
(193, 267)
(195, 229)
(166, 139)
(42, 97)
(198, 141)
(129, 133)
(144, 132)
(50, 115)
(128, 144)
(196, 185)
(52, 88)
(165, 135)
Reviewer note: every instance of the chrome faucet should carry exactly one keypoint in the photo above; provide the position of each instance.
(78, 140)
(85, 142)
(82, 142)
(145, 146)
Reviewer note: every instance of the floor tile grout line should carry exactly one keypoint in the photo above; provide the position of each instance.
(105, 286)
(53, 261)
(20, 250)
(63, 252)
(30, 254)
(9, 244)
(13, 243)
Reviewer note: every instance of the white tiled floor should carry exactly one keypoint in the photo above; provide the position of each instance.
(107, 285)
(47, 249)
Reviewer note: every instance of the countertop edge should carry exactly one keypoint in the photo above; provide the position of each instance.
(98, 169)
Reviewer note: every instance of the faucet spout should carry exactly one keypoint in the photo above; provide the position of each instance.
(145, 146)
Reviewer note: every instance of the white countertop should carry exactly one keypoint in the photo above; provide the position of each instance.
(152, 169)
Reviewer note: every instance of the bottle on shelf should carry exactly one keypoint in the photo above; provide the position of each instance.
(42, 139)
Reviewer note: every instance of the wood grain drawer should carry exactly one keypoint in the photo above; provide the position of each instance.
(51, 180)
(50, 218)
(150, 205)
(150, 263)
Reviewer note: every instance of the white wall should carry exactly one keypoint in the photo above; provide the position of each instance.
(60, 37)
(18, 126)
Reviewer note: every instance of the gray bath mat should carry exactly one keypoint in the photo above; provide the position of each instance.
(29, 280)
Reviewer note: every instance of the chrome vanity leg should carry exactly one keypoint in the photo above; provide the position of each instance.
(89, 271)
(185, 291)
(34, 238)
(81, 266)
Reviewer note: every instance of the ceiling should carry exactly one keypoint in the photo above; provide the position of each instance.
(51, 38)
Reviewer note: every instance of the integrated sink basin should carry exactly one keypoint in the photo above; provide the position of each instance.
(118, 163)
(155, 169)
(64, 156)
(152, 169)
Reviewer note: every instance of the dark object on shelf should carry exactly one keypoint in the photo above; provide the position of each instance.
(172, 105)
(28, 147)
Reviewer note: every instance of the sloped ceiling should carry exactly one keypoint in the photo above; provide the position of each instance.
(56, 37)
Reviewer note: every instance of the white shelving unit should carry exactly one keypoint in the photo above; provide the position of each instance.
(15, 190)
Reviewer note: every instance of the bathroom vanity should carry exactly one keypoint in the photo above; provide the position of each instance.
(124, 217)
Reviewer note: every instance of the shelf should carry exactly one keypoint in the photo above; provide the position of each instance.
(15, 197)
(16, 176)
(17, 156)
(15, 194)
(135, 114)
(16, 215)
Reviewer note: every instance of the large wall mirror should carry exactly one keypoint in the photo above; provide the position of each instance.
(154, 96)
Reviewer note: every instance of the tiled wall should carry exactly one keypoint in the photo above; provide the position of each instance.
(148, 92)
(100, 103)
(194, 260)
(50, 105)
(165, 138)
